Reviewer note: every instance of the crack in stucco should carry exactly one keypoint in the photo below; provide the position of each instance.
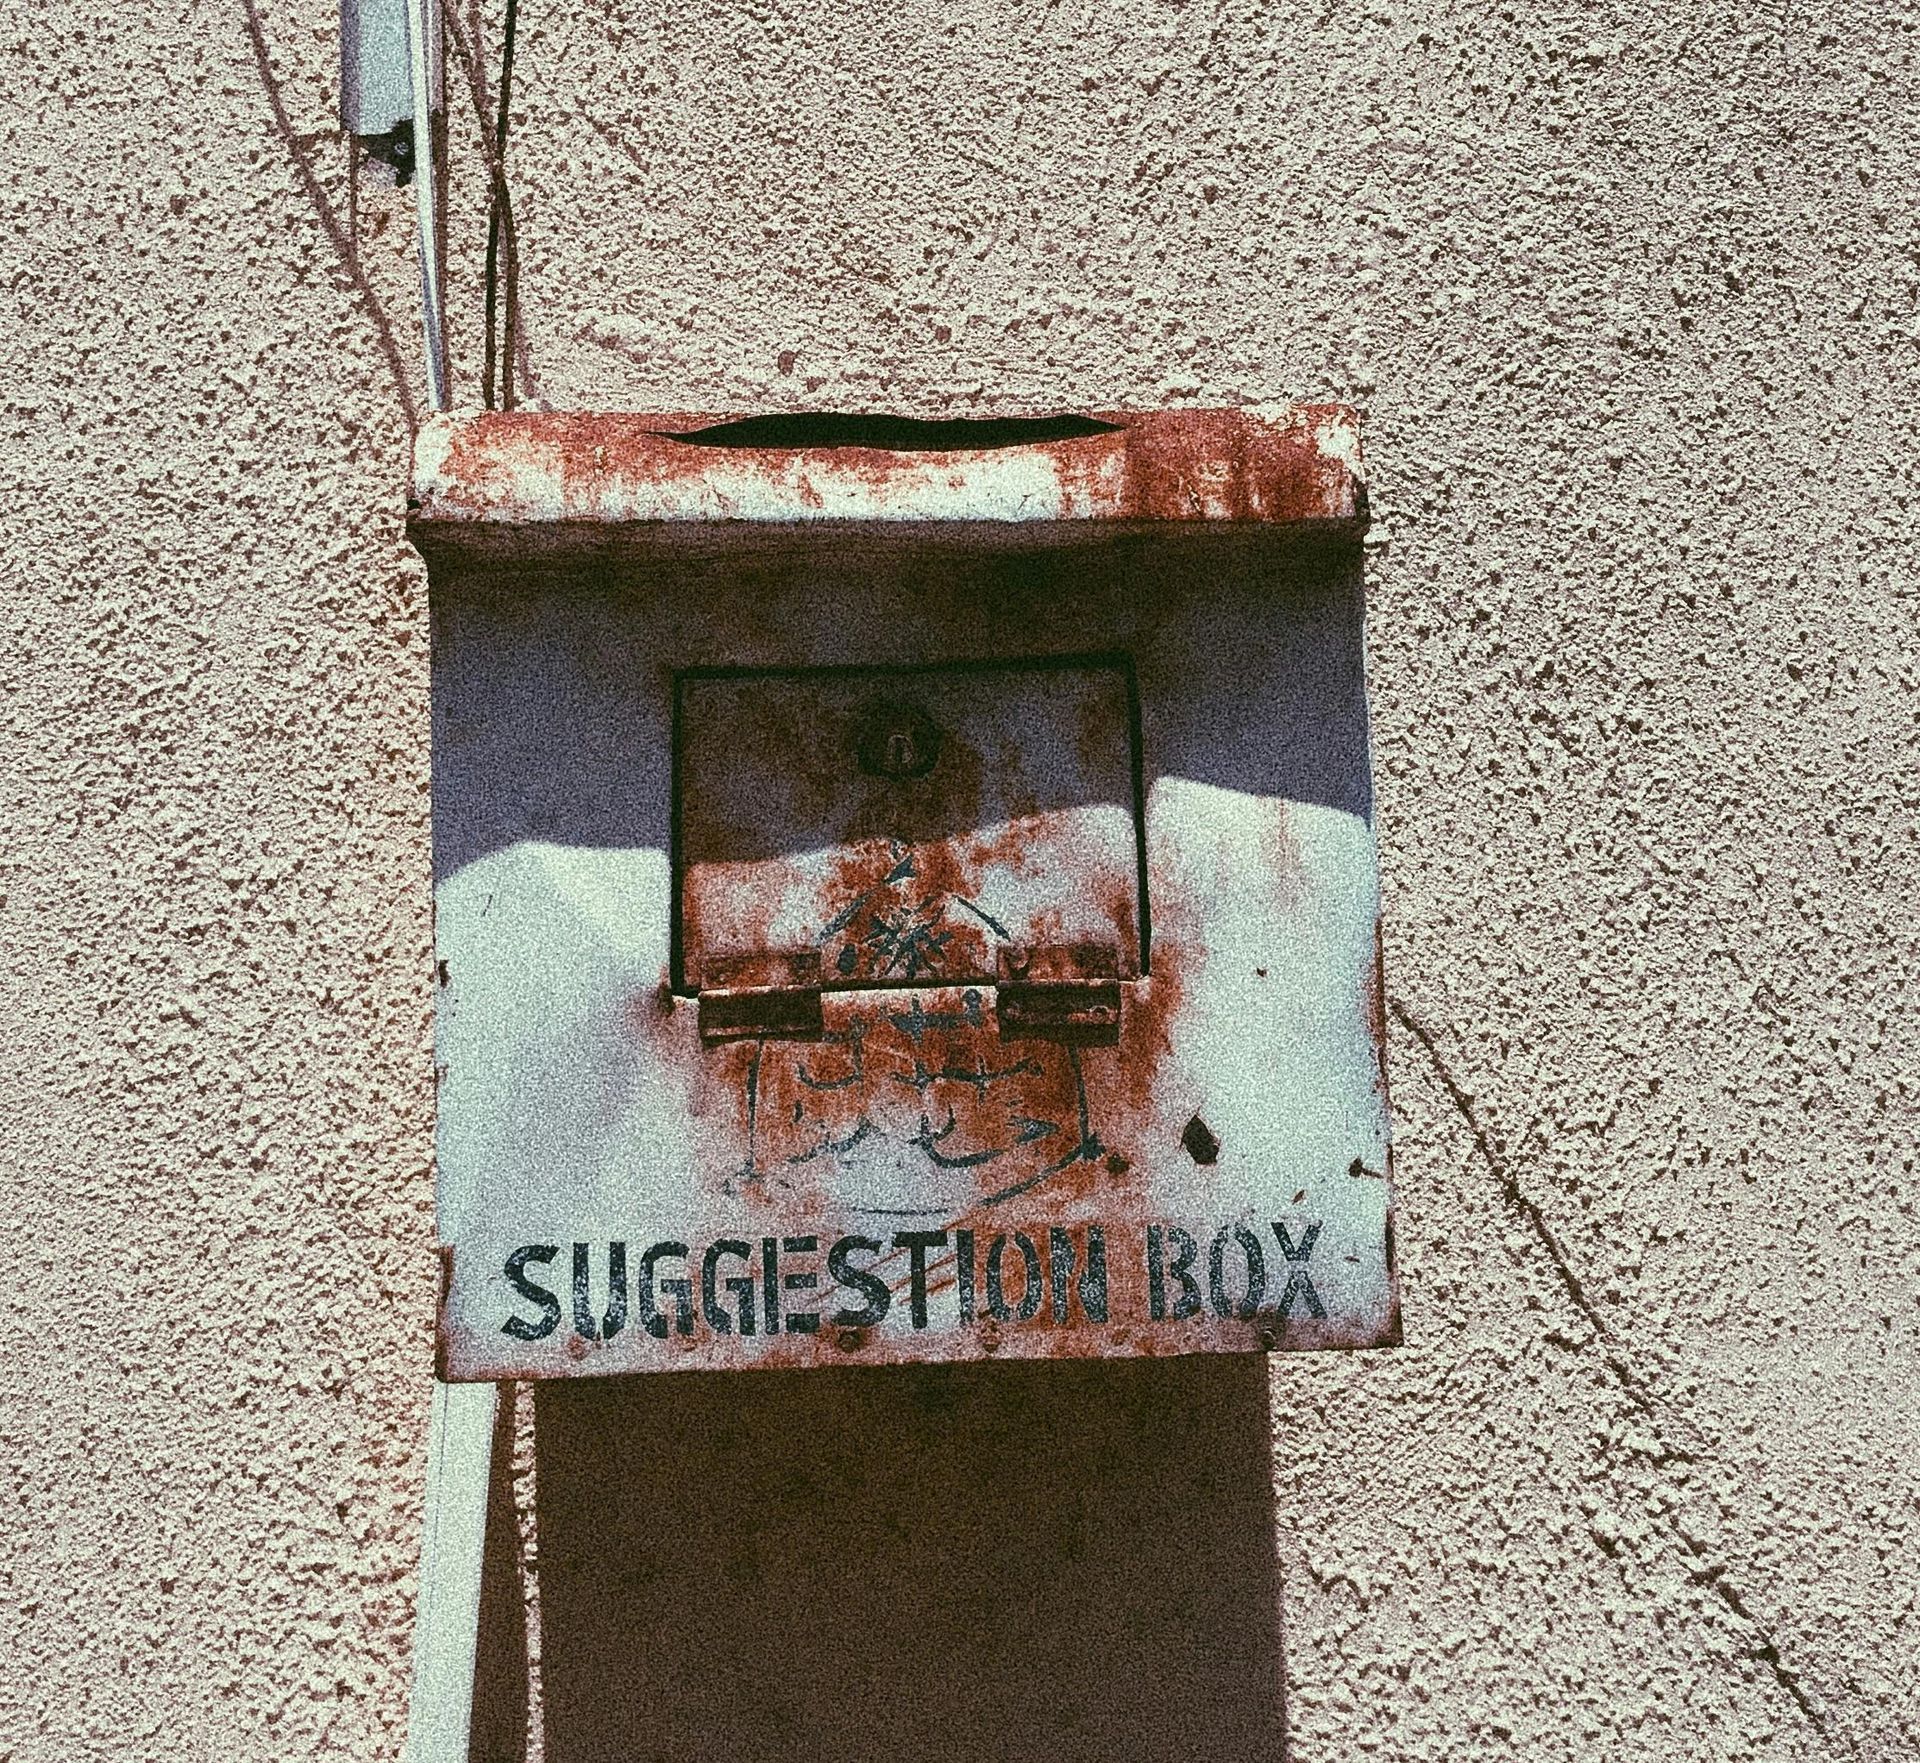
(1712, 1575)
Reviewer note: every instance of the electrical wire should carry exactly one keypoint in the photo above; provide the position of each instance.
(499, 215)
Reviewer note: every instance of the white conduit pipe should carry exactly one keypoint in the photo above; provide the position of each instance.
(426, 199)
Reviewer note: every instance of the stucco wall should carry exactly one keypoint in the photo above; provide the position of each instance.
(1629, 303)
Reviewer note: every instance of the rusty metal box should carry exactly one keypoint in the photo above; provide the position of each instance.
(901, 903)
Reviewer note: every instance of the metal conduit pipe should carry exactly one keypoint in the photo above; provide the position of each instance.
(426, 198)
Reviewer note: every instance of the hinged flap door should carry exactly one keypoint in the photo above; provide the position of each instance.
(907, 824)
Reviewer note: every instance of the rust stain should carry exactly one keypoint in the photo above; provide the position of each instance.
(1279, 852)
(911, 1105)
(887, 866)
(1146, 1039)
(1373, 1006)
(1118, 903)
(1183, 465)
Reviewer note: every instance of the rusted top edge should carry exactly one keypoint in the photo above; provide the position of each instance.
(1277, 465)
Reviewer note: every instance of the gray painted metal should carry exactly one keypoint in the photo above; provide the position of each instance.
(900, 939)
(446, 1627)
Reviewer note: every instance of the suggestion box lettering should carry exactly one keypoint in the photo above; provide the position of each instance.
(1045, 1275)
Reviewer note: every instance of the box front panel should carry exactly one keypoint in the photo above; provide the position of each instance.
(907, 955)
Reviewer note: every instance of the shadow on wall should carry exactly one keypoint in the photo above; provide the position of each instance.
(1069, 1559)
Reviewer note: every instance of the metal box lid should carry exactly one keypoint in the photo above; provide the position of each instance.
(534, 479)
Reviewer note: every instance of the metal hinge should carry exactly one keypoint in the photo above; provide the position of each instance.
(1053, 992)
(1061, 992)
(774, 992)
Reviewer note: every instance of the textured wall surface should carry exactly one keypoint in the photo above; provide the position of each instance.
(1631, 303)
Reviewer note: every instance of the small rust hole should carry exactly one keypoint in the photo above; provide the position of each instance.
(1201, 1144)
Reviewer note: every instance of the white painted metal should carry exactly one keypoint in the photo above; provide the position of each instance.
(447, 1621)
(376, 78)
(1294, 465)
(577, 1104)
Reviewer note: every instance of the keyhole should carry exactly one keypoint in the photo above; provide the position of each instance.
(896, 741)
